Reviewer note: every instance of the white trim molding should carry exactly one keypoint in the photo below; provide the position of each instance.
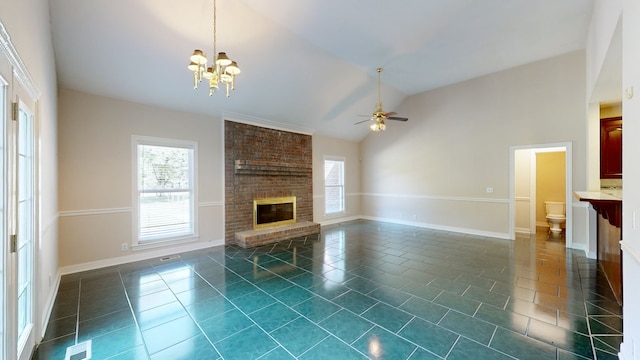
(121, 210)
(490, 234)
(19, 68)
(255, 121)
(438, 197)
(630, 250)
(94, 212)
(211, 204)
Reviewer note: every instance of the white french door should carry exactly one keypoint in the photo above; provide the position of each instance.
(4, 234)
(22, 238)
(18, 324)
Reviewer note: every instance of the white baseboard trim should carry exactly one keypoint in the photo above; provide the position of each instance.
(476, 232)
(622, 355)
(71, 269)
(583, 247)
(630, 250)
(48, 307)
(338, 220)
(523, 231)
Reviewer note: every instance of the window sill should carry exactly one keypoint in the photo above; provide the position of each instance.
(335, 215)
(154, 244)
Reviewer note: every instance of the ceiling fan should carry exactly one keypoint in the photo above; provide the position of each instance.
(379, 116)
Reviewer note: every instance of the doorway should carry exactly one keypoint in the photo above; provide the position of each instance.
(526, 205)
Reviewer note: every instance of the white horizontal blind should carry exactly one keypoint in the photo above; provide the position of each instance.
(165, 192)
(333, 186)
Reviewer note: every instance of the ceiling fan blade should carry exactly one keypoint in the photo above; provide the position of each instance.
(387, 115)
(360, 122)
(397, 118)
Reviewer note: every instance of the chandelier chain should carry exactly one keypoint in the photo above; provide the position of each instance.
(215, 11)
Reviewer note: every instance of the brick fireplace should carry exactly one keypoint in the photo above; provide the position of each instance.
(263, 163)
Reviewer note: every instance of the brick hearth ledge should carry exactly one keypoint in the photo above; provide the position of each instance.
(252, 238)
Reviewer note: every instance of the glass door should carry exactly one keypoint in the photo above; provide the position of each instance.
(21, 257)
(4, 324)
(25, 214)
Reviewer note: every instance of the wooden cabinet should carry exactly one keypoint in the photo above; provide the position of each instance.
(611, 148)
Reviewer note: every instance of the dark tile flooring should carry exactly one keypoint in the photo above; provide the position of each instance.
(361, 290)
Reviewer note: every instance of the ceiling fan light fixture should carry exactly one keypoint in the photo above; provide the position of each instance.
(378, 126)
(379, 116)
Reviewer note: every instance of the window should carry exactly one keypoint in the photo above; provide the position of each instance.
(165, 190)
(333, 186)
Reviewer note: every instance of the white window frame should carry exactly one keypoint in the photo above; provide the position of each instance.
(342, 185)
(137, 243)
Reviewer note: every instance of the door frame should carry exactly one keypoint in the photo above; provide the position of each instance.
(535, 148)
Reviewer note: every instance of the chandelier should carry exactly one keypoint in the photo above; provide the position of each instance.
(222, 70)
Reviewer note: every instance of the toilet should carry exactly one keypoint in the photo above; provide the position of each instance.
(555, 215)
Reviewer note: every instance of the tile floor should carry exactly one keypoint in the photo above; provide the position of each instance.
(361, 290)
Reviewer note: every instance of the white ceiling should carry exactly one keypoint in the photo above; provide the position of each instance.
(308, 64)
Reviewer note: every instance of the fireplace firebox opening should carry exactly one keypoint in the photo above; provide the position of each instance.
(272, 212)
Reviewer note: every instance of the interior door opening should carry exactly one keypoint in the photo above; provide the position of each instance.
(528, 191)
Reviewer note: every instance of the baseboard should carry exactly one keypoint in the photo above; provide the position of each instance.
(622, 355)
(525, 231)
(138, 257)
(48, 307)
(338, 220)
(467, 231)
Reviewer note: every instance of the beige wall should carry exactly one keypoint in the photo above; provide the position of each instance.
(550, 182)
(350, 152)
(435, 169)
(95, 162)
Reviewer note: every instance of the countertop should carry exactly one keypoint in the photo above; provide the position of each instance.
(604, 194)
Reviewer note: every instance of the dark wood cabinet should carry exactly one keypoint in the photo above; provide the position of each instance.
(611, 148)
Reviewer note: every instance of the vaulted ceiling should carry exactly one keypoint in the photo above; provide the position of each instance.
(306, 64)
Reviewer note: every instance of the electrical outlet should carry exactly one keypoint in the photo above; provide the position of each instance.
(125, 246)
(489, 189)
